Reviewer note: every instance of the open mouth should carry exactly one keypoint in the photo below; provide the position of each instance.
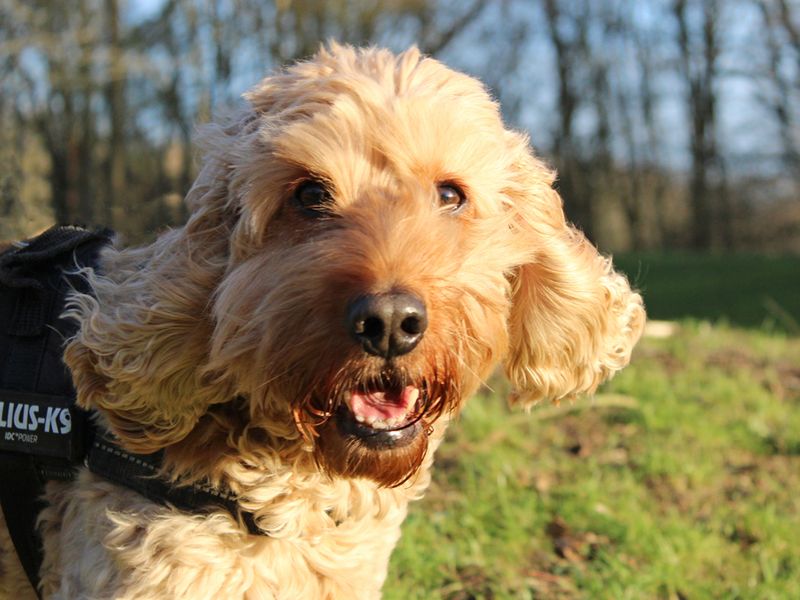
(382, 418)
(383, 409)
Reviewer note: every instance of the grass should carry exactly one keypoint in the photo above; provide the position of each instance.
(679, 480)
(746, 290)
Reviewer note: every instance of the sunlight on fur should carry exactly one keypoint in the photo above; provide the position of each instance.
(367, 243)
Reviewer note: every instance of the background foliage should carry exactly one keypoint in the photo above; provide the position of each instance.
(673, 123)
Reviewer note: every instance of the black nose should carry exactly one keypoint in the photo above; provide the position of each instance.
(387, 325)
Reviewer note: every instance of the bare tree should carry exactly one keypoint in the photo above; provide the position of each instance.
(102, 105)
(698, 66)
(567, 33)
(641, 182)
(781, 96)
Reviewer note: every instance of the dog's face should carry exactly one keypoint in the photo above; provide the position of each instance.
(368, 242)
(368, 283)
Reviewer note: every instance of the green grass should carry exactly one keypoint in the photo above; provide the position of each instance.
(745, 290)
(679, 480)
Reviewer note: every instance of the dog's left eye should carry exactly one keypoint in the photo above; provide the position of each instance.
(313, 197)
(451, 197)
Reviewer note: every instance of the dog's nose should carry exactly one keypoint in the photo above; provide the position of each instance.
(387, 325)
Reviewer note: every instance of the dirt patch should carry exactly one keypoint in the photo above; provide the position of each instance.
(669, 492)
(471, 582)
(572, 545)
(552, 585)
(786, 385)
(665, 360)
(731, 360)
(584, 434)
(763, 479)
(782, 379)
(743, 536)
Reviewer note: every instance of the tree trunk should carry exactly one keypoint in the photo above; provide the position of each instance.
(709, 216)
(115, 100)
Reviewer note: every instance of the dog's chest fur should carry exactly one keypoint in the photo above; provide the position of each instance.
(124, 546)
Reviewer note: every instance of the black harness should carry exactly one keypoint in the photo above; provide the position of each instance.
(44, 436)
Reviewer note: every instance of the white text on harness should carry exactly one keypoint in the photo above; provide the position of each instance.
(30, 417)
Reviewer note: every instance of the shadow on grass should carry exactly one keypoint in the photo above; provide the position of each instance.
(743, 290)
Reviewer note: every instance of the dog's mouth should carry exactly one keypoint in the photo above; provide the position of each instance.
(383, 409)
(382, 417)
(375, 424)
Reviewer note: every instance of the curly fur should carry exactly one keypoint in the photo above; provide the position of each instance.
(222, 342)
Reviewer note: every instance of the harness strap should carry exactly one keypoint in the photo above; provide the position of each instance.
(139, 472)
(36, 392)
(20, 497)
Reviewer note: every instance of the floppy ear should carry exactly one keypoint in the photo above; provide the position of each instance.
(574, 320)
(145, 327)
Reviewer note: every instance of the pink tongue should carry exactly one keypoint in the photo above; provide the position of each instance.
(384, 405)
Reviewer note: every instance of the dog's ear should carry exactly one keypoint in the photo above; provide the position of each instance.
(574, 320)
(145, 326)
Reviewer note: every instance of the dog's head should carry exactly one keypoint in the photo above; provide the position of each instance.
(367, 241)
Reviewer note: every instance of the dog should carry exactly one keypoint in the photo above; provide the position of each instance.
(367, 242)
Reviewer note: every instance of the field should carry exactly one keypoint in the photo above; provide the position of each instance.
(746, 290)
(679, 479)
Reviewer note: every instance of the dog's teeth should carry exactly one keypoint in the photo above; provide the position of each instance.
(371, 420)
(413, 395)
(379, 424)
(360, 418)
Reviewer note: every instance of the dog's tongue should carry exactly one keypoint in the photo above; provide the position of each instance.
(384, 405)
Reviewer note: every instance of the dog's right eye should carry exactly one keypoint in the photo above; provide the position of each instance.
(313, 197)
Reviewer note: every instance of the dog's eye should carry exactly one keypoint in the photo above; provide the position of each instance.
(451, 197)
(313, 197)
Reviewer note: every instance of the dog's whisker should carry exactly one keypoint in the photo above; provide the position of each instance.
(272, 379)
(483, 382)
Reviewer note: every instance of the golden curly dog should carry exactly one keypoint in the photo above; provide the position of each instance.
(367, 242)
